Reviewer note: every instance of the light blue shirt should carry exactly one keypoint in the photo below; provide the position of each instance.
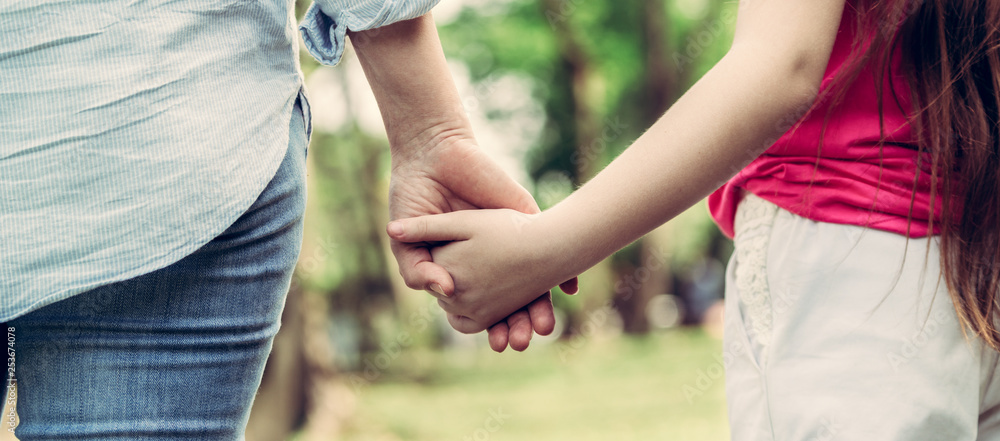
(132, 133)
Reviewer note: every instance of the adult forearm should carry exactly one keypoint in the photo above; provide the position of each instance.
(409, 75)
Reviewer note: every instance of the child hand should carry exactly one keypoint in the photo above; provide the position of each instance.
(499, 260)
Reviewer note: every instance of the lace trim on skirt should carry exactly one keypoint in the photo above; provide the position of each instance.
(753, 224)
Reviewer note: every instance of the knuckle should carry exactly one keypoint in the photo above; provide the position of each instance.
(446, 307)
(420, 226)
(411, 282)
(471, 329)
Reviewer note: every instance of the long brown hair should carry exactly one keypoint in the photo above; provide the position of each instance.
(951, 60)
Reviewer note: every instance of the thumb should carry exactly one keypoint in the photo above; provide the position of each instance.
(505, 192)
(480, 181)
(445, 227)
(571, 286)
(419, 270)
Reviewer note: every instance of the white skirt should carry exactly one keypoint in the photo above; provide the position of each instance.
(838, 332)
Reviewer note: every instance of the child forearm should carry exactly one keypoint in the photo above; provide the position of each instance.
(762, 86)
(722, 123)
(765, 83)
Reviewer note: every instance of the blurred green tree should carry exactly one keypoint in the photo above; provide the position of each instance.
(601, 72)
(604, 71)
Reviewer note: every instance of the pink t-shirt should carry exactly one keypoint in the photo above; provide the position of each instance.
(850, 181)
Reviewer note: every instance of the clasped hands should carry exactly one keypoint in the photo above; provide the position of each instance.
(496, 281)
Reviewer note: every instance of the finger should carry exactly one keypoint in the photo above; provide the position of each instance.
(571, 286)
(434, 228)
(543, 318)
(498, 336)
(520, 330)
(420, 272)
(464, 324)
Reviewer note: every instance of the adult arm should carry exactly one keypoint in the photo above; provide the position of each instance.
(767, 81)
(437, 167)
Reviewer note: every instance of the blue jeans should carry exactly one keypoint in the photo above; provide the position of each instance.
(174, 354)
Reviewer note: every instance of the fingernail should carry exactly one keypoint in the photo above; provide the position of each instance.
(437, 288)
(395, 229)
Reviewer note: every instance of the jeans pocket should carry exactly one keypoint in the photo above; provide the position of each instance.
(302, 103)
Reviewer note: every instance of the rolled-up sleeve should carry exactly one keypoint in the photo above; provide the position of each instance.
(324, 27)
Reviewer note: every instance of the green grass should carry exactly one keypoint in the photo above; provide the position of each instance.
(608, 388)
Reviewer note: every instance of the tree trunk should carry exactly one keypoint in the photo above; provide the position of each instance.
(648, 274)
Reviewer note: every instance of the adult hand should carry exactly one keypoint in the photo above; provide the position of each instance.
(436, 165)
(457, 175)
(483, 248)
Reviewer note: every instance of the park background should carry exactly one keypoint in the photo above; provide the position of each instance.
(555, 90)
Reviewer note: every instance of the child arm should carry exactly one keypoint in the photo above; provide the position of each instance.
(766, 81)
(437, 166)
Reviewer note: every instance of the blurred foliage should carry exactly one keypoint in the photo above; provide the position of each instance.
(523, 37)
(601, 72)
(594, 75)
(599, 69)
